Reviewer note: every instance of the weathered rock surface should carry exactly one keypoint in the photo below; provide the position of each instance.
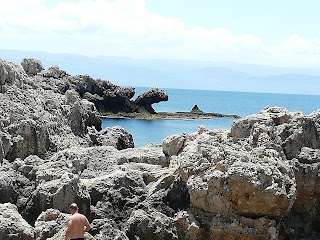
(10, 74)
(14, 187)
(12, 225)
(49, 223)
(35, 121)
(155, 226)
(260, 180)
(172, 145)
(115, 136)
(57, 194)
(266, 167)
(145, 100)
(106, 96)
(105, 229)
(32, 66)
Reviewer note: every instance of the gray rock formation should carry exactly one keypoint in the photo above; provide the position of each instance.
(54, 72)
(155, 226)
(14, 187)
(106, 96)
(145, 100)
(38, 121)
(32, 66)
(196, 109)
(260, 180)
(105, 229)
(58, 194)
(115, 136)
(49, 223)
(172, 145)
(12, 225)
(10, 74)
(258, 174)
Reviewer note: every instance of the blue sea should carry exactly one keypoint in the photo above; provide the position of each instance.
(239, 103)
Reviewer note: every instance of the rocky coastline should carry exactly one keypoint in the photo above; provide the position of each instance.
(168, 116)
(109, 99)
(195, 113)
(259, 180)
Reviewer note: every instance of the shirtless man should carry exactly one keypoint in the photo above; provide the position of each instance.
(78, 224)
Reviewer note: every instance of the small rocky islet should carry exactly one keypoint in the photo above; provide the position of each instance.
(258, 180)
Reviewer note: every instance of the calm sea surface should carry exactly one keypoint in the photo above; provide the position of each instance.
(240, 103)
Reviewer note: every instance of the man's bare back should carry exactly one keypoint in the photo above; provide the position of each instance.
(78, 224)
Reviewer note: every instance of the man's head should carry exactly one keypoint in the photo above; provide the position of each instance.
(73, 208)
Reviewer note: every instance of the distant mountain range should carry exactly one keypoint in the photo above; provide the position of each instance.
(185, 74)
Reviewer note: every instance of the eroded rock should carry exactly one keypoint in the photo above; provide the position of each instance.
(115, 136)
(57, 194)
(32, 66)
(145, 100)
(155, 226)
(172, 145)
(49, 223)
(12, 225)
(105, 229)
(258, 181)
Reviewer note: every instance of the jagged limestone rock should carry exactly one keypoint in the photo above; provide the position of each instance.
(31, 66)
(12, 225)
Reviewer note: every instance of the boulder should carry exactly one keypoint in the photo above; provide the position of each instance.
(39, 122)
(261, 189)
(167, 194)
(301, 132)
(14, 187)
(86, 162)
(12, 225)
(32, 66)
(188, 227)
(150, 155)
(155, 225)
(243, 128)
(243, 228)
(173, 144)
(303, 220)
(115, 136)
(114, 196)
(57, 194)
(96, 161)
(11, 73)
(54, 72)
(49, 223)
(105, 229)
(29, 166)
(279, 115)
(81, 114)
(28, 138)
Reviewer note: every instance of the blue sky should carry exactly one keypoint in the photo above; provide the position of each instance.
(281, 33)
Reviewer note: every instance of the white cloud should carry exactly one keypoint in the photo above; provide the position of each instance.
(128, 28)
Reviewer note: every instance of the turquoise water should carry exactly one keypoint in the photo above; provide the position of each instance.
(240, 103)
